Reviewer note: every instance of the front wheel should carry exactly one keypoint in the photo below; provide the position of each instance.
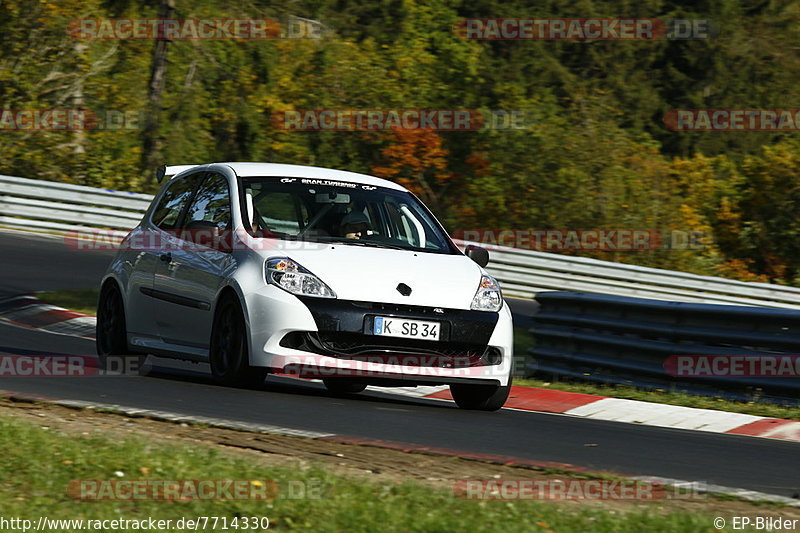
(228, 354)
(480, 397)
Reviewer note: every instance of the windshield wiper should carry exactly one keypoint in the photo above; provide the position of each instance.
(372, 244)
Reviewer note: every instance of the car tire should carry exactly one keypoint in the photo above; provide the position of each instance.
(228, 349)
(111, 331)
(480, 397)
(343, 386)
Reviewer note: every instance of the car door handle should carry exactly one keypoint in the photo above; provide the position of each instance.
(167, 258)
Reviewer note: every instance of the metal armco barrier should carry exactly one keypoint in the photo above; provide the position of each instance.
(614, 339)
(525, 273)
(59, 207)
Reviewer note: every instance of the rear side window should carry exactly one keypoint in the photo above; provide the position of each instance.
(169, 209)
(211, 205)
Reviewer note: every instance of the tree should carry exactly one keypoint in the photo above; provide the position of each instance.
(417, 160)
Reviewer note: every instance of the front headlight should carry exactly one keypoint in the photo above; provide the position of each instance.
(488, 297)
(292, 277)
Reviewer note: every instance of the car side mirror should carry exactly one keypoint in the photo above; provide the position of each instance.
(477, 254)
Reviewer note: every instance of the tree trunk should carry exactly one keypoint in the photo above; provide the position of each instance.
(151, 144)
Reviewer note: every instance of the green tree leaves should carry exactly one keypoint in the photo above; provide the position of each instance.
(595, 153)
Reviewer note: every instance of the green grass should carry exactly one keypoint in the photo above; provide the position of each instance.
(80, 300)
(37, 464)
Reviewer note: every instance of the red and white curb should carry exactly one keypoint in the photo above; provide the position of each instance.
(29, 312)
(645, 413)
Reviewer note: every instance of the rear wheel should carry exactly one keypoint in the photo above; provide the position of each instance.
(480, 397)
(112, 334)
(228, 354)
(343, 386)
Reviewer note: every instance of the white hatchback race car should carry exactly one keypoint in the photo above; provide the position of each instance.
(256, 268)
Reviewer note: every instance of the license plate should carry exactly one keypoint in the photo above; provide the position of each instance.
(409, 329)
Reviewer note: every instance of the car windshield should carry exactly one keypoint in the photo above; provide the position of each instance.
(334, 211)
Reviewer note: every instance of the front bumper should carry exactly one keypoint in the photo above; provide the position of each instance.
(313, 337)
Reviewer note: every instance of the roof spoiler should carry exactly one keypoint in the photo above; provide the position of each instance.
(164, 170)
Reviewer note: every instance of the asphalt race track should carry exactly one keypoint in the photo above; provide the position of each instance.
(29, 263)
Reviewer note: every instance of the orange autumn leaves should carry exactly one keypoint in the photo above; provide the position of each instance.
(417, 160)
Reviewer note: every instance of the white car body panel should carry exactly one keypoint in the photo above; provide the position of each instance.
(353, 272)
(372, 274)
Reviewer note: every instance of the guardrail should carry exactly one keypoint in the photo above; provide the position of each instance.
(525, 273)
(614, 339)
(52, 206)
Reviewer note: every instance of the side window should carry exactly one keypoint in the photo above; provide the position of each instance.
(165, 216)
(211, 206)
(412, 227)
(402, 227)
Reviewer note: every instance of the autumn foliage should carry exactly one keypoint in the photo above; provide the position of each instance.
(417, 160)
(594, 151)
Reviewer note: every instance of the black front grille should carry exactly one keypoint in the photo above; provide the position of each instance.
(409, 352)
(353, 344)
(400, 308)
(467, 330)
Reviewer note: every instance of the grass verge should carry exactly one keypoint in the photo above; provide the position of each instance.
(37, 465)
(80, 300)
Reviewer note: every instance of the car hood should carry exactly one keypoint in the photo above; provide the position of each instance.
(373, 274)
